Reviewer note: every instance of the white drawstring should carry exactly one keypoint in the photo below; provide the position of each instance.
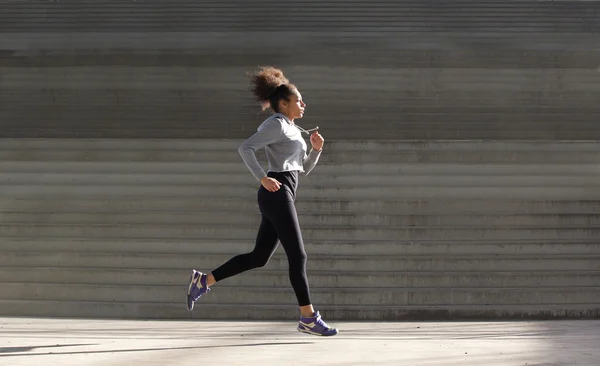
(307, 131)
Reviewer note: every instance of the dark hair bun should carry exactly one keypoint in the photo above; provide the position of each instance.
(264, 83)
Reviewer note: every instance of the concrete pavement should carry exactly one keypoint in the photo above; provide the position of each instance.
(32, 341)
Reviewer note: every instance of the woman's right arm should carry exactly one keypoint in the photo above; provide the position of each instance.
(268, 133)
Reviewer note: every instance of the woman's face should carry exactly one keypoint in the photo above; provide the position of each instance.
(294, 107)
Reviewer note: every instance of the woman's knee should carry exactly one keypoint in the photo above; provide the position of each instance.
(260, 259)
(298, 258)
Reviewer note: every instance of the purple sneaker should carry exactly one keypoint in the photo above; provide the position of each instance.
(196, 288)
(316, 326)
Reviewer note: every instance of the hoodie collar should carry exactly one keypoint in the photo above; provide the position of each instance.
(281, 115)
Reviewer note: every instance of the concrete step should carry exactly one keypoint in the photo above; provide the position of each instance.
(312, 193)
(37, 129)
(308, 220)
(337, 98)
(331, 156)
(89, 309)
(123, 155)
(394, 80)
(20, 102)
(391, 205)
(406, 169)
(317, 279)
(441, 247)
(320, 97)
(194, 146)
(217, 130)
(316, 233)
(223, 20)
(333, 296)
(186, 101)
(205, 263)
(184, 107)
(317, 180)
(424, 119)
(381, 25)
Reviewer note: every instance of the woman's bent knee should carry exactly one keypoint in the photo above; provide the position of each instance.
(259, 260)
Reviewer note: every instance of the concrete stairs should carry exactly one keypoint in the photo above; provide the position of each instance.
(376, 70)
(360, 16)
(348, 102)
(394, 230)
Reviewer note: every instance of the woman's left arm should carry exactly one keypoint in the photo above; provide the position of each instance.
(310, 160)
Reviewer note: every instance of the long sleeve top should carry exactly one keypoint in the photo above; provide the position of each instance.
(284, 145)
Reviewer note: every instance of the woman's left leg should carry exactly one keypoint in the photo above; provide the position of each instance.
(284, 218)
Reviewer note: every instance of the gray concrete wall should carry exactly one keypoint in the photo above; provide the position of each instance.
(378, 70)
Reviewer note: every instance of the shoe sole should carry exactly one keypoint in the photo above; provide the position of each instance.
(315, 333)
(190, 304)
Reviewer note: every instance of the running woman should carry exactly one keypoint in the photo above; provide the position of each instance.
(287, 156)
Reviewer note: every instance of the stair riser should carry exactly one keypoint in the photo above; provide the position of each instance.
(290, 313)
(176, 294)
(207, 263)
(336, 156)
(260, 278)
(308, 233)
(362, 248)
(348, 168)
(318, 181)
(244, 219)
(249, 204)
(187, 146)
(327, 194)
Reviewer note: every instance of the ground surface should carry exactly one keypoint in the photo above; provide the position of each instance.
(31, 341)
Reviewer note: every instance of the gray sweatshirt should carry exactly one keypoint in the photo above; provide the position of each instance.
(284, 145)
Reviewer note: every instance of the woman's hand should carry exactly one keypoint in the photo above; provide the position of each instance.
(317, 141)
(270, 184)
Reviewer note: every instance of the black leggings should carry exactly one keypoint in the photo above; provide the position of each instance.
(279, 223)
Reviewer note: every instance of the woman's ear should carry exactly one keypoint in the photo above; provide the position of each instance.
(283, 104)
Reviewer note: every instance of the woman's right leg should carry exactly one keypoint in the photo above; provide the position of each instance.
(266, 243)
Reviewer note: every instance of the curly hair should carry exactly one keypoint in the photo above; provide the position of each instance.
(269, 86)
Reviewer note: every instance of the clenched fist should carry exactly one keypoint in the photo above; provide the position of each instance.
(317, 141)
(270, 184)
